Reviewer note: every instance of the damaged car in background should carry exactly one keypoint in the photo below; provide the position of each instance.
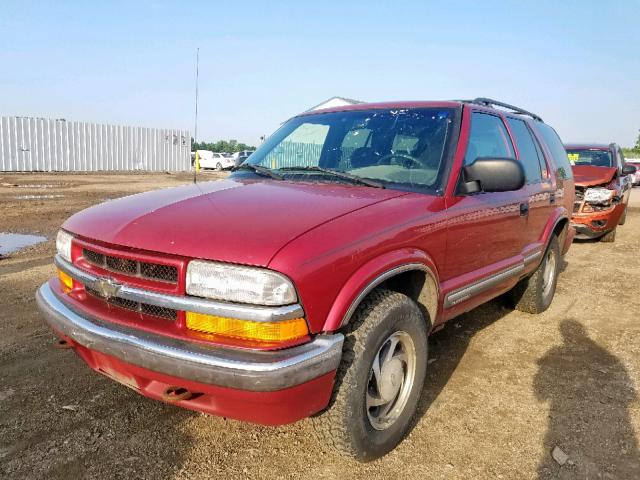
(603, 187)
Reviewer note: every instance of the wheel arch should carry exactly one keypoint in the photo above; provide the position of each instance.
(410, 272)
(558, 225)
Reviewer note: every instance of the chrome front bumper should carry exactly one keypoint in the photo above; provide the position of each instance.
(241, 369)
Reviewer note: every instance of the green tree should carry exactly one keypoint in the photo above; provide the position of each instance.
(230, 146)
(634, 151)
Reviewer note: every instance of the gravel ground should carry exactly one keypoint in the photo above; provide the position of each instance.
(508, 395)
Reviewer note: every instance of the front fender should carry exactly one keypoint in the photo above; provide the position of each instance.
(372, 274)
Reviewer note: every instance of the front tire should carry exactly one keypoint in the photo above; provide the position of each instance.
(218, 167)
(534, 294)
(623, 217)
(380, 379)
(609, 237)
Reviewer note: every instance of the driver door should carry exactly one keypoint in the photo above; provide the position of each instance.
(486, 231)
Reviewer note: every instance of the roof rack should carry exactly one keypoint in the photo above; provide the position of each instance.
(494, 103)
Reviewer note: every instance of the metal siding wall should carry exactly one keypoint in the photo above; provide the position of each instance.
(40, 144)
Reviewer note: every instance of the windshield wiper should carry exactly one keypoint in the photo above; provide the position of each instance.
(336, 173)
(259, 169)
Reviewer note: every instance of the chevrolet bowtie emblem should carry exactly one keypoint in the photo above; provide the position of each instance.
(105, 287)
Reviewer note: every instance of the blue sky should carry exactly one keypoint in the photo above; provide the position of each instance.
(575, 63)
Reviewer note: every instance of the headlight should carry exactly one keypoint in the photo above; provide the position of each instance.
(238, 284)
(63, 244)
(598, 195)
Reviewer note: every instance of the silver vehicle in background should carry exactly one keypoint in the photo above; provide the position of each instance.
(240, 157)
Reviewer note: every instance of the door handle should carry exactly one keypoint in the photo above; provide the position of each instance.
(524, 209)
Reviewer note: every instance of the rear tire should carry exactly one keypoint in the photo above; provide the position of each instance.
(380, 379)
(609, 237)
(534, 294)
(218, 166)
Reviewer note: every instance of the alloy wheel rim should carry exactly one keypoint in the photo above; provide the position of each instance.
(549, 272)
(391, 380)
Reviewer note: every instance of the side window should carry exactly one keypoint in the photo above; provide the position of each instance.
(303, 146)
(527, 148)
(354, 139)
(404, 143)
(488, 138)
(556, 147)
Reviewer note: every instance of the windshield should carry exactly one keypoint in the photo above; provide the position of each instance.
(589, 156)
(404, 147)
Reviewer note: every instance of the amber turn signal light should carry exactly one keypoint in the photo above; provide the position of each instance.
(267, 332)
(66, 282)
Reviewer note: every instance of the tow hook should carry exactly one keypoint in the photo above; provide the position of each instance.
(62, 344)
(176, 394)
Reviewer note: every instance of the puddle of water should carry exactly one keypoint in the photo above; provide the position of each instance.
(38, 197)
(12, 242)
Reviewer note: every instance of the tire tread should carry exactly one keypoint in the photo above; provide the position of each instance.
(331, 426)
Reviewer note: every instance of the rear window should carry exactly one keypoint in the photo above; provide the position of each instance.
(556, 147)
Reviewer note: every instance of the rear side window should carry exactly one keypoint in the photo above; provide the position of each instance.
(558, 152)
(527, 148)
(488, 138)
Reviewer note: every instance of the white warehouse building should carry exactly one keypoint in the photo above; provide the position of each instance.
(30, 144)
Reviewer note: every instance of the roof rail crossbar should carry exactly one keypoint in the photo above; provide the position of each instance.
(489, 102)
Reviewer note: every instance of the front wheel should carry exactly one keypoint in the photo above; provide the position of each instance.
(623, 217)
(218, 166)
(380, 379)
(535, 293)
(609, 237)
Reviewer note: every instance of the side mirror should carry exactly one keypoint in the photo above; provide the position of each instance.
(487, 174)
(629, 169)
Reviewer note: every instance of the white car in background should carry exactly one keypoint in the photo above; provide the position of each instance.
(635, 177)
(215, 160)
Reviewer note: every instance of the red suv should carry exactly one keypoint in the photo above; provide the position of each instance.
(603, 185)
(307, 283)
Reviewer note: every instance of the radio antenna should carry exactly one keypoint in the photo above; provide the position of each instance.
(196, 163)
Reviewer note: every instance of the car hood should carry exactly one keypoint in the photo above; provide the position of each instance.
(587, 175)
(234, 221)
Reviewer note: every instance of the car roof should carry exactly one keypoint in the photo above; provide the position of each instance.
(386, 106)
(587, 146)
(426, 104)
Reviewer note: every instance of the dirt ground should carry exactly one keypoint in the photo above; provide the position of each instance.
(503, 388)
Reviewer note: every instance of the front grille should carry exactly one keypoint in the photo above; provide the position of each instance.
(133, 268)
(145, 308)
